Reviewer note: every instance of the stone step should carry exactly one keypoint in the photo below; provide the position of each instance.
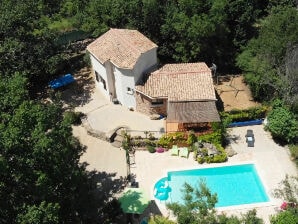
(118, 138)
(117, 144)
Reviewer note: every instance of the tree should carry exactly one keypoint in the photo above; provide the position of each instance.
(198, 205)
(27, 45)
(41, 159)
(160, 220)
(42, 214)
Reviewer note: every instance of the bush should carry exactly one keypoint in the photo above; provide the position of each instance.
(282, 123)
(201, 160)
(193, 148)
(285, 217)
(244, 115)
(191, 138)
(73, 117)
(219, 158)
(168, 140)
(151, 148)
(215, 138)
(195, 154)
(157, 219)
(294, 152)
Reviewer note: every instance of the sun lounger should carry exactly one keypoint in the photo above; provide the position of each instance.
(174, 150)
(184, 152)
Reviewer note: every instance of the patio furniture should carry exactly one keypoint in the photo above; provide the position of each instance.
(249, 133)
(174, 150)
(250, 138)
(184, 152)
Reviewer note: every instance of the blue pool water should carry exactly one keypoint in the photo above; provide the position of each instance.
(234, 185)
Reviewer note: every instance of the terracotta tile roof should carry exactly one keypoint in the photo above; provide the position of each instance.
(180, 82)
(122, 47)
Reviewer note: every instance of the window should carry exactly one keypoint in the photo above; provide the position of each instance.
(100, 79)
(129, 90)
(157, 102)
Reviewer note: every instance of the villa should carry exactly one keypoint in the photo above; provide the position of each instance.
(126, 70)
(120, 58)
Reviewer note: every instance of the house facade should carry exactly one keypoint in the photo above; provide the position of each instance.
(119, 59)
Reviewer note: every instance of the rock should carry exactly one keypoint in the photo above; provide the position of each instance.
(231, 152)
(154, 117)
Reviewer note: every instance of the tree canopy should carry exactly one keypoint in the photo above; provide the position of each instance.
(268, 60)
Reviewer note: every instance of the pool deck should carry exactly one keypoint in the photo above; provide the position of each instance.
(271, 160)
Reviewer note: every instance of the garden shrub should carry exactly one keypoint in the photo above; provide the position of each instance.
(164, 141)
(282, 123)
(158, 219)
(151, 136)
(294, 152)
(201, 160)
(219, 158)
(193, 148)
(168, 140)
(151, 148)
(191, 139)
(252, 113)
(215, 138)
(285, 217)
(195, 154)
(73, 117)
(204, 152)
(219, 147)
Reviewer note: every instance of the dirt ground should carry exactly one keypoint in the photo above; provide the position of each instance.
(234, 93)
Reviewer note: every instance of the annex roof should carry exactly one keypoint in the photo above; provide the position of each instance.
(180, 82)
(193, 112)
(122, 47)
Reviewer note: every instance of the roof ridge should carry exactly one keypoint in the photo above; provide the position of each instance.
(180, 72)
(126, 43)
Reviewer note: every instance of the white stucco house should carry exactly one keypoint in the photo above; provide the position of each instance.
(120, 58)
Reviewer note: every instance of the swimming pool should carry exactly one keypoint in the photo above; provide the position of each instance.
(234, 185)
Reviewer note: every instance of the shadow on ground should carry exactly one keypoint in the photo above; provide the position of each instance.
(98, 202)
(232, 138)
(106, 207)
(79, 92)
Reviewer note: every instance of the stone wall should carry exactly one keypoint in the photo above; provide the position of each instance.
(144, 106)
